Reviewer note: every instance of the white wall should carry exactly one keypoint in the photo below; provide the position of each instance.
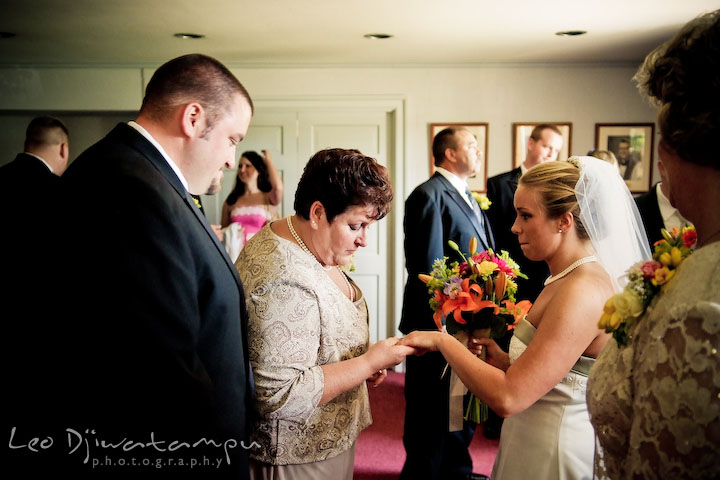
(583, 95)
(497, 95)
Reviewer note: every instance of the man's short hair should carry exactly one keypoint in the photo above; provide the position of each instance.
(192, 78)
(444, 139)
(44, 131)
(536, 133)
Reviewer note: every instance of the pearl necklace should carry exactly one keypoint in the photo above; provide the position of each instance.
(305, 249)
(570, 268)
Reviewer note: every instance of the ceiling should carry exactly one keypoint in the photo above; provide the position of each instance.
(330, 32)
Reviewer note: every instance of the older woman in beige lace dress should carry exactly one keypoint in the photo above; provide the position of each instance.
(308, 329)
(655, 402)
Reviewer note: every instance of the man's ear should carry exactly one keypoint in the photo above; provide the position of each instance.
(64, 150)
(192, 119)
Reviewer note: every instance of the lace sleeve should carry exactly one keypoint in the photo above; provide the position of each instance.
(675, 430)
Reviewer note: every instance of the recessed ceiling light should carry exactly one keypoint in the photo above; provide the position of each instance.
(571, 33)
(6, 34)
(377, 36)
(189, 36)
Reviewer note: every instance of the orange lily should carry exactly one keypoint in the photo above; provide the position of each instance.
(469, 300)
(437, 316)
(518, 310)
(500, 283)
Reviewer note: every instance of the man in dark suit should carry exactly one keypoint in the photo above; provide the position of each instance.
(435, 212)
(159, 322)
(544, 144)
(45, 157)
(657, 212)
(29, 185)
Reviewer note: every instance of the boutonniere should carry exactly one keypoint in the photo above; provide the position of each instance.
(482, 200)
(197, 202)
(645, 281)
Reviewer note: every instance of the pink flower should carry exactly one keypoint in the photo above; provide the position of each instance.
(648, 268)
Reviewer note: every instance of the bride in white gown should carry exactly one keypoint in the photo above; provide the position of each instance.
(579, 217)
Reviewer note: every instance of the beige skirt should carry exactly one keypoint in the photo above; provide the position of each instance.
(339, 467)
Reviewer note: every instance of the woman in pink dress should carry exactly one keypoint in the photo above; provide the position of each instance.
(253, 201)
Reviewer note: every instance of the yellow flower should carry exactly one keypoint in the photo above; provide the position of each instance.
(486, 268)
(627, 304)
(604, 321)
(615, 321)
(665, 259)
(482, 200)
(609, 307)
(676, 256)
(662, 276)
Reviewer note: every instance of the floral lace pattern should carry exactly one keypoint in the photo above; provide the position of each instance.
(299, 320)
(655, 404)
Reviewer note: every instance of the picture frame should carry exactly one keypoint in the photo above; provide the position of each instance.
(478, 182)
(521, 135)
(633, 145)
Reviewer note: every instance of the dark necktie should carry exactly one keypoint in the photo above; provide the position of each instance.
(475, 207)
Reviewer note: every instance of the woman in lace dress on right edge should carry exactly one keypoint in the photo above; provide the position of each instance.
(655, 402)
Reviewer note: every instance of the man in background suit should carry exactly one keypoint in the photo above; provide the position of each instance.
(435, 212)
(29, 240)
(657, 212)
(544, 144)
(158, 349)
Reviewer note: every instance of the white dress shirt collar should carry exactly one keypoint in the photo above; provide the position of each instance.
(670, 215)
(456, 182)
(160, 149)
(43, 161)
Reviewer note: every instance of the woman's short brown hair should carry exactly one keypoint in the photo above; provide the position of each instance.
(683, 76)
(340, 179)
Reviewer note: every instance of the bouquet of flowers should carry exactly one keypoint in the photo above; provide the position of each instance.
(645, 281)
(475, 297)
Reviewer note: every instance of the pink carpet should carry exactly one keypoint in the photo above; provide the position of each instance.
(380, 455)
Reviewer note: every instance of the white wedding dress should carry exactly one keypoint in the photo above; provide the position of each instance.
(553, 438)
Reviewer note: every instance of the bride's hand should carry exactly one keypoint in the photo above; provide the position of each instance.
(422, 341)
(493, 353)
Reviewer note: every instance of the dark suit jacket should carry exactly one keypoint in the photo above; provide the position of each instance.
(158, 306)
(434, 213)
(29, 240)
(501, 192)
(647, 203)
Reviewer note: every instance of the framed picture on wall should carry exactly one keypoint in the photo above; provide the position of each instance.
(521, 135)
(478, 182)
(632, 145)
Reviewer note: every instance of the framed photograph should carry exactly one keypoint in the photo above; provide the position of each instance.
(521, 135)
(478, 182)
(632, 145)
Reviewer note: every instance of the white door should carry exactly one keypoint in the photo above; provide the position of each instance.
(366, 131)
